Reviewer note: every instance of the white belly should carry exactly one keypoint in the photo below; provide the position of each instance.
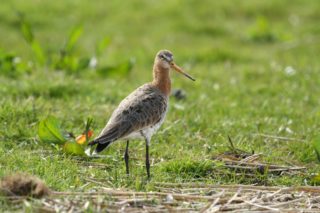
(147, 132)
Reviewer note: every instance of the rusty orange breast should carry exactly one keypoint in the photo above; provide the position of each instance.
(161, 79)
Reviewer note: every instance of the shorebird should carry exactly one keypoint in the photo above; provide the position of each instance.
(142, 112)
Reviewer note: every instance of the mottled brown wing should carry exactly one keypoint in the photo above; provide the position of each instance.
(142, 108)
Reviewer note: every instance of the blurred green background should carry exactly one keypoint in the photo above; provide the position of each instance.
(256, 64)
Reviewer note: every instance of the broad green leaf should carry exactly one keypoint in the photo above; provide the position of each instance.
(28, 35)
(102, 45)
(316, 145)
(49, 131)
(38, 52)
(73, 38)
(71, 63)
(73, 148)
(26, 31)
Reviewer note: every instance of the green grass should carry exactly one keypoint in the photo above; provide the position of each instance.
(241, 54)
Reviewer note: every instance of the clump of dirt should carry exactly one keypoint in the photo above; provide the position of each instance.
(179, 94)
(23, 185)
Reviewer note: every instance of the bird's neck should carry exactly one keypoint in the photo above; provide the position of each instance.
(161, 79)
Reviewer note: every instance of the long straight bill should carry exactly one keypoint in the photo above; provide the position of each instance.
(178, 69)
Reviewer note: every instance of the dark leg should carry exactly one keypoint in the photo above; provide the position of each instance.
(147, 153)
(126, 157)
(147, 158)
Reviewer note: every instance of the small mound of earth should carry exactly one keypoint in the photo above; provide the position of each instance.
(179, 94)
(23, 185)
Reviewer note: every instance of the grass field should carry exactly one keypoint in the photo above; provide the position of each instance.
(257, 69)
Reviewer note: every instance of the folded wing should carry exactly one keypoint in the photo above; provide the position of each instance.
(142, 108)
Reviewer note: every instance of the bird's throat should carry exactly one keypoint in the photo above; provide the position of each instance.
(161, 79)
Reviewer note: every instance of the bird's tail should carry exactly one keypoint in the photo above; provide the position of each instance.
(101, 146)
(104, 140)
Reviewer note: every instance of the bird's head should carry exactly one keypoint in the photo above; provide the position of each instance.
(164, 60)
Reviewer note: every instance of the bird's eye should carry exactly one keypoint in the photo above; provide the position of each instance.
(165, 57)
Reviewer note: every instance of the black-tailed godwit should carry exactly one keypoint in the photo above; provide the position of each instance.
(141, 114)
